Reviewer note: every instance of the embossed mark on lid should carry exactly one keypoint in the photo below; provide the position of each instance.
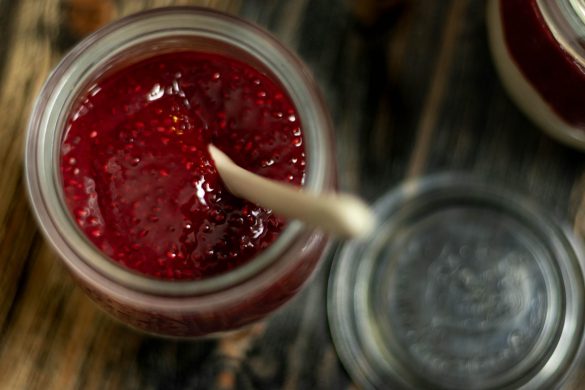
(462, 286)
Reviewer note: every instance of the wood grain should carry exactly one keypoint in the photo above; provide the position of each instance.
(412, 93)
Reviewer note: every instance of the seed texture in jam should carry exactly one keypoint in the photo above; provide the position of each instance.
(137, 176)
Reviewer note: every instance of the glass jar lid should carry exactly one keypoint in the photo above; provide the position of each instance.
(462, 285)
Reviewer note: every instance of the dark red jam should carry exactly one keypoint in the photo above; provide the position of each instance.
(554, 73)
(137, 175)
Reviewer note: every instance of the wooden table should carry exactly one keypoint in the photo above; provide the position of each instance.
(412, 90)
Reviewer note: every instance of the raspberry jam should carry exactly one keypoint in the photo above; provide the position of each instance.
(137, 176)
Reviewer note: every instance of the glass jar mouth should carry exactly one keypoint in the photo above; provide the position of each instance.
(398, 315)
(154, 29)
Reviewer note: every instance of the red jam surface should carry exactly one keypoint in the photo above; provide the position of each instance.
(554, 73)
(137, 175)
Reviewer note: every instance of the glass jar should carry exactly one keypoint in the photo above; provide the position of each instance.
(177, 308)
(463, 285)
(539, 50)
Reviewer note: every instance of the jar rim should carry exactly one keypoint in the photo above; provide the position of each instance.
(566, 21)
(64, 84)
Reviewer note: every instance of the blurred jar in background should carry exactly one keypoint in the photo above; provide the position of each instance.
(539, 50)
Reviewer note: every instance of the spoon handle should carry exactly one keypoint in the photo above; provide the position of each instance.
(340, 214)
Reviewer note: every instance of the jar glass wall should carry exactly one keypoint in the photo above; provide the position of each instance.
(177, 308)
